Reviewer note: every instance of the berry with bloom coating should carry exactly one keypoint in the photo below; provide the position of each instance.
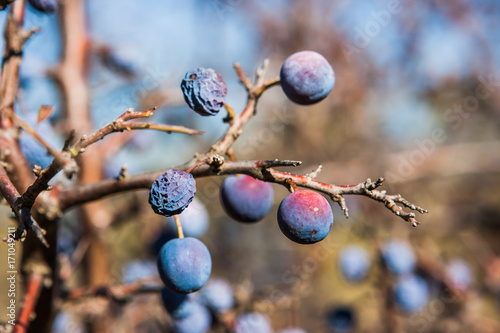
(45, 6)
(218, 295)
(184, 265)
(399, 256)
(306, 77)
(305, 217)
(354, 262)
(411, 293)
(204, 91)
(178, 305)
(172, 192)
(253, 322)
(245, 198)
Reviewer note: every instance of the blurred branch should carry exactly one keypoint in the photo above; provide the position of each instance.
(117, 293)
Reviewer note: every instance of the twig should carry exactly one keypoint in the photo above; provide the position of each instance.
(118, 293)
(11, 195)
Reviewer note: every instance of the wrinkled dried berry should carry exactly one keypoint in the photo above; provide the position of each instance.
(172, 192)
(45, 6)
(204, 91)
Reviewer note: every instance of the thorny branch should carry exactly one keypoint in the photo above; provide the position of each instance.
(202, 166)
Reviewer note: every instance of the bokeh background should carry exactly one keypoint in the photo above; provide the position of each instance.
(416, 101)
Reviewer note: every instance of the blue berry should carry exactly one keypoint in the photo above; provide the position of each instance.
(172, 192)
(194, 220)
(184, 265)
(218, 295)
(459, 274)
(305, 217)
(138, 270)
(411, 293)
(245, 198)
(292, 330)
(354, 262)
(44, 6)
(179, 306)
(341, 320)
(204, 91)
(399, 256)
(306, 77)
(253, 322)
(198, 321)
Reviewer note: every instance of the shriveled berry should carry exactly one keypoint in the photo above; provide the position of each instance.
(45, 6)
(245, 198)
(184, 265)
(306, 77)
(172, 192)
(204, 91)
(305, 217)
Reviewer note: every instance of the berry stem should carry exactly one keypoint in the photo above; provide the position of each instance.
(179, 226)
(292, 186)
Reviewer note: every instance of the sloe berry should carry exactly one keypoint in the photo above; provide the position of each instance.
(44, 6)
(305, 217)
(178, 305)
(253, 322)
(204, 91)
(198, 321)
(459, 274)
(306, 77)
(245, 198)
(184, 265)
(399, 256)
(354, 262)
(172, 192)
(218, 295)
(411, 293)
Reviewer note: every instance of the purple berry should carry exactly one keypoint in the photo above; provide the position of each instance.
(172, 192)
(204, 91)
(184, 265)
(411, 293)
(218, 295)
(246, 199)
(459, 274)
(198, 321)
(305, 217)
(253, 322)
(399, 256)
(45, 6)
(306, 77)
(354, 262)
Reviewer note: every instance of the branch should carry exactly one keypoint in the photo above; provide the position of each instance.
(10, 193)
(34, 285)
(261, 170)
(117, 293)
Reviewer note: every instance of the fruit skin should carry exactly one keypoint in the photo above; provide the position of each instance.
(305, 217)
(399, 256)
(306, 77)
(354, 262)
(198, 321)
(245, 198)
(204, 91)
(44, 6)
(253, 322)
(218, 295)
(411, 293)
(172, 192)
(184, 265)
